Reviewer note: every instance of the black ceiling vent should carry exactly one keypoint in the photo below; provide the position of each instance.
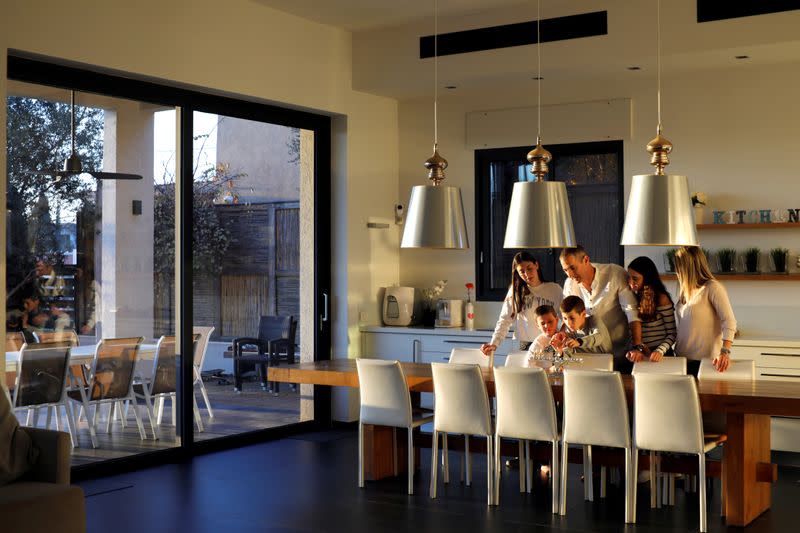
(711, 10)
(521, 33)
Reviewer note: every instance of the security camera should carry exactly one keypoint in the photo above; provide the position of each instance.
(398, 213)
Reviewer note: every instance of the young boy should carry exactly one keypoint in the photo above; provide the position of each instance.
(547, 320)
(584, 334)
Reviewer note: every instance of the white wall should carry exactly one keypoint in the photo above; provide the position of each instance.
(735, 136)
(243, 48)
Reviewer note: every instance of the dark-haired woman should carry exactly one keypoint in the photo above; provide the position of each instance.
(656, 311)
(528, 291)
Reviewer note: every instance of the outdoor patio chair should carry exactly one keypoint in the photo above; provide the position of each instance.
(163, 383)
(41, 383)
(200, 349)
(110, 381)
(275, 342)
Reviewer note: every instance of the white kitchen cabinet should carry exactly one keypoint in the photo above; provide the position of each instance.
(404, 347)
(426, 346)
(775, 360)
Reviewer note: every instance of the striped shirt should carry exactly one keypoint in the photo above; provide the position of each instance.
(659, 334)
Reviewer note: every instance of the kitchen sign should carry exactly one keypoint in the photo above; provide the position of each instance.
(757, 216)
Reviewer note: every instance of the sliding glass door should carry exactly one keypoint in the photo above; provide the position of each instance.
(213, 264)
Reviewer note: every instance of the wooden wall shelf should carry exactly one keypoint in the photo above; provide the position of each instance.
(767, 276)
(777, 225)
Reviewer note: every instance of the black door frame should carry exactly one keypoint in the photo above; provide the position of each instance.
(51, 72)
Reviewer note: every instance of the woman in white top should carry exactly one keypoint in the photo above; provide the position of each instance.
(706, 324)
(528, 291)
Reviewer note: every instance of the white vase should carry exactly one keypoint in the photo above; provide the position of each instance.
(469, 317)
(699, 214)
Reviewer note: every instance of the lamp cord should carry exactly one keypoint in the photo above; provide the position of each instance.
(538, 76)
(435, 73)
(658, 56)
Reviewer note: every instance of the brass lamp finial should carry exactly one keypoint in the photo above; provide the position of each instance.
(436, 165)
(538, 158)
(659, 149)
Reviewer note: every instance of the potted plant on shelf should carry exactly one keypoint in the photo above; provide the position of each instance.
(699, 201)
(778, 256)
(751, 256)
(727, 260)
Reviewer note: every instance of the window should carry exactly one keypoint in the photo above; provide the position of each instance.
(594, 177)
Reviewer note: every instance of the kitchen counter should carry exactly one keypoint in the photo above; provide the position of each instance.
(418, 330)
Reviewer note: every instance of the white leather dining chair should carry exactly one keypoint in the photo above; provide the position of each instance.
(469, 356)
(667, 417)
(462, 407)
(595, 413)
(517, 359)
(525, 411)
(667, 365)
(675, 366)
(386, 401)
(463, 356)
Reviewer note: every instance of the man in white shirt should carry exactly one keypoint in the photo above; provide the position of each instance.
(605, 293)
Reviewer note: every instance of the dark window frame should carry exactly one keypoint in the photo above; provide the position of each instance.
(35, 69)
(483, 237)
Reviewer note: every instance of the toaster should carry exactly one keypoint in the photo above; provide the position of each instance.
(449, 313)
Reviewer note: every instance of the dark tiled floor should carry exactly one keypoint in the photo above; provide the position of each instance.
(308, 483)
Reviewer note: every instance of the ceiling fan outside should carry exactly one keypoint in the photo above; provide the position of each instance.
(73, 165)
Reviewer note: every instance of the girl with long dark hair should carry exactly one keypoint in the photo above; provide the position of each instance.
(656, 311)
(528, 290)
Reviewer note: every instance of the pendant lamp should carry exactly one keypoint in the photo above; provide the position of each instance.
(435, 212)
(659, 209)
(539, 215)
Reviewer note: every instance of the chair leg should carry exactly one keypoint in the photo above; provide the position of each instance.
(92, 423)
(123, 414)
(445, 459)
(159, 409)
(468, 461)
(29, 418)
(174, 406)
(634, 482)
(630, 486)
(528, 467)
(489, 471)
(148, 405)
(588, 482)
(653, 480)
(563, 480)
(72, 427)
(411, 465)
(109, 417)
(602, 482)
(49, 415)
(434, 462)
(554, 475)
(204, 392)
(57, 417)
(497, 469)
(521, 455)
(671, 479)
(142, 433)
(702, 475)
(196, 410)
(360, 454)
(722, 494)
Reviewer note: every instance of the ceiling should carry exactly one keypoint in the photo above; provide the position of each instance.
(386, 37)
(360, 15)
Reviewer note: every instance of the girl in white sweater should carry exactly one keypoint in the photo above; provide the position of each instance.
(706, 325)
(527, 292)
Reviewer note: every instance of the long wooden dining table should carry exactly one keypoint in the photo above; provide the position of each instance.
(749, 472)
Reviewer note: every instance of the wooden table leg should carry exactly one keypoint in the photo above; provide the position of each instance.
(378, 452)
(746, 451)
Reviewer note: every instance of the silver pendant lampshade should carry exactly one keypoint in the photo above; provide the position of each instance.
(435, 212)
(659, 209)
(539, 215)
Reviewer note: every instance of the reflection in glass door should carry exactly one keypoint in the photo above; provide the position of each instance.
(252, 300)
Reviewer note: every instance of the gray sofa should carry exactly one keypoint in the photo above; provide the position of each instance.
(42, 499)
